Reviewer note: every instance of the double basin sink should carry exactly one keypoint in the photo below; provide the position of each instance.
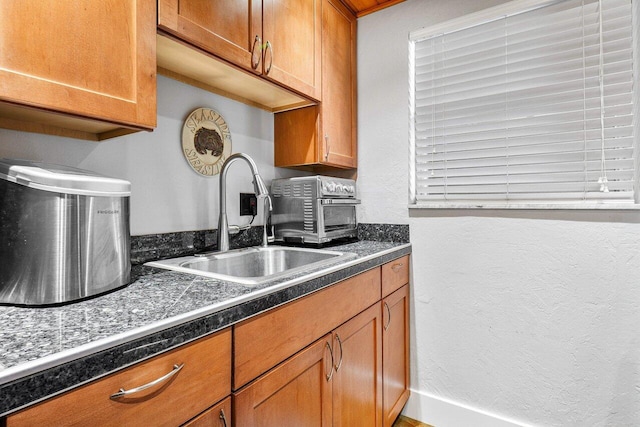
(255, 265)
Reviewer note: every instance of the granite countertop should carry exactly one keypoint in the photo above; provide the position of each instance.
(45, 351)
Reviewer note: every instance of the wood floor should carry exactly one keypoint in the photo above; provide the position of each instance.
(408, 422)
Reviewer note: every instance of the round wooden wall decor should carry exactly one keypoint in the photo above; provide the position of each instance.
(206, 141)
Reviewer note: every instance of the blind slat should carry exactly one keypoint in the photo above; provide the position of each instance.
(515, 109)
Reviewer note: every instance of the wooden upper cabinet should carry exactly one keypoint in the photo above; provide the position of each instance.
(395, 274)
(92, 62)
(279, 40)
(230, 29)
(325, 135)
(338, 116)
(292, 44)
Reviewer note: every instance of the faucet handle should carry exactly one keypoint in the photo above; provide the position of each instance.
(268, 235)
(271, 235)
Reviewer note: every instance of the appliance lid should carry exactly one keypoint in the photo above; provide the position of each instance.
(62, 179)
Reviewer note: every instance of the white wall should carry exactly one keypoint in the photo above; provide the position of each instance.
(519, 317)
(167, 195)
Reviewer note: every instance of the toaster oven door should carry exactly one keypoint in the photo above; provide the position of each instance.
(336, 218)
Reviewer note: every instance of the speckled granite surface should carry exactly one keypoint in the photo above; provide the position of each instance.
(44, 351)
(152, 247)
(398, 233)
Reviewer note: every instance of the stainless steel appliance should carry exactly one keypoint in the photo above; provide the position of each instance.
(64, 233)
(314, 209)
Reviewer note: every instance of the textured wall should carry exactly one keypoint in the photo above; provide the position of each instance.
(533, 316)
(167, 195)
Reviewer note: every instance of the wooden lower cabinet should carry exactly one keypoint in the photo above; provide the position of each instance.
(357, 375)
(266, 340)
(395, 274)
(357, 379)
(296, 393)
(217, 416)
(334, 382)
(205, 378)
(337, 357)
(395, 353)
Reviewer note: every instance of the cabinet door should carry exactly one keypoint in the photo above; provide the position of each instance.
(357, 382)
(338, 139)
(229, 29)
(395, 362)
(95, 60)
(217, 416)
(325, 134)
(262, 342)
(295, 393)
(292, 44)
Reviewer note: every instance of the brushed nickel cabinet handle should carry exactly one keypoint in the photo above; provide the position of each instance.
(389, 313)
(330, 375)
(268, 49)
(255, 59)
(223, 418)
(125, 393)
(327, 147)
(340, 343)
(396, 267)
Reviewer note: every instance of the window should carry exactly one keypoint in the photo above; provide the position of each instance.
(526, 104)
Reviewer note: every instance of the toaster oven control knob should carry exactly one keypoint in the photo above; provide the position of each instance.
(329, 187)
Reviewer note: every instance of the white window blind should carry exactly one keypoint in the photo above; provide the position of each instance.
(534, 106)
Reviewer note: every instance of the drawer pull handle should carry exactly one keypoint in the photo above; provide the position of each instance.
(256, 52)
(126, 393)
(330, 374)
(396, 267)
(268, 49)
(389, 313)
(223, 418)
(340, 343)
(328, 147)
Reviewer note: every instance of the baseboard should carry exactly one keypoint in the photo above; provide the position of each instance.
(441, 412)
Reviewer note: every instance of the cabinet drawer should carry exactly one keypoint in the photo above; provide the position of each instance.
(263, 342)
(204, 379)
(395, 274)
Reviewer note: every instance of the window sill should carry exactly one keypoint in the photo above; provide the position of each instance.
(528, 206)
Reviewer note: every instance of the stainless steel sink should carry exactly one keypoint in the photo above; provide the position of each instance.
(254, 265)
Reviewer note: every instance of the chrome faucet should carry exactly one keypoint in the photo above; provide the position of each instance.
(261, 192)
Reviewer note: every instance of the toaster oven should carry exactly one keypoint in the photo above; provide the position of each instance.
(314, 209)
